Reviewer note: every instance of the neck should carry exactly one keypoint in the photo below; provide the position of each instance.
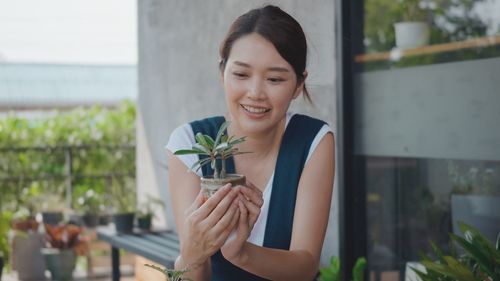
(261, 144)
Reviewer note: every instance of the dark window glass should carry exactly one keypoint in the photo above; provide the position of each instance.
(426, 124)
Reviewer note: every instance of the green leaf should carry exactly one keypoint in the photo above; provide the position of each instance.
(190, 151)
(221, 131)
(497, 245)
(452, 269)
(438, 252)
(479, 253)
(358, 272)
(199, 164)
(209, 140)
(237, 141)
(202, 148)
(202, 140)
(221, 146)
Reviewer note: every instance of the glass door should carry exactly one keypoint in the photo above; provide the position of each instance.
(421, 118)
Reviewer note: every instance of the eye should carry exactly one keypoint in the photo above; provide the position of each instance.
(275, 79)
(240, 75)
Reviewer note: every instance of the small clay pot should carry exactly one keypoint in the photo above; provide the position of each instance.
(209, 185)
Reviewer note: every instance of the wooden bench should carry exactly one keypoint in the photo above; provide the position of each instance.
(161, 247)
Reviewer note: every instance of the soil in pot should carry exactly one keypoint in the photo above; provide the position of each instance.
(209, 185)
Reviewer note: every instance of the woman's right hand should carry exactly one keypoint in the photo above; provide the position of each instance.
(208, 224)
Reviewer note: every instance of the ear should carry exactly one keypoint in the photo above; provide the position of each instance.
(221, 76)
(221, 72)
(300, 86)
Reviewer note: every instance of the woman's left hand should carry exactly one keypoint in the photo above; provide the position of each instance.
(250, 202)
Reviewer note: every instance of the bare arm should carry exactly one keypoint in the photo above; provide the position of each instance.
(202, 226)
(312, 209)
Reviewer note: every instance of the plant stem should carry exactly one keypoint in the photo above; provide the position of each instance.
(223, 170)
(216, 172)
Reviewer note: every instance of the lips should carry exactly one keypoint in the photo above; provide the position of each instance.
(255, 109)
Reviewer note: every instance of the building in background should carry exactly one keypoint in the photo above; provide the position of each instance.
(28, 87)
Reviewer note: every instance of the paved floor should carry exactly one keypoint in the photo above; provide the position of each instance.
(79, 276)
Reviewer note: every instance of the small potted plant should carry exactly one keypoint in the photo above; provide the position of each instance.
(146, 212)
(124, 204)
(210, 150)
(90, 205)
(52, 208)
(63, 245)
(413, 31)
(171, 274)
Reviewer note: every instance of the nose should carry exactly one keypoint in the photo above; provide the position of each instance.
(256, 89)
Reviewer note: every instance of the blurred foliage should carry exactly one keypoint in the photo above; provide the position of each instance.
(481, 260)
(449, 20)
(33, 153)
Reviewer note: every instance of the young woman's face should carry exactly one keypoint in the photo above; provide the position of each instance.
(259, 84)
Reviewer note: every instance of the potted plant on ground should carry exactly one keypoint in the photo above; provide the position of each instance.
(210, 151)
(146, 212)
(63, 245)
(413, 31)
(27, 259)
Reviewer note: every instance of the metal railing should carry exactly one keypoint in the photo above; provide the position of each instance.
(69, 176)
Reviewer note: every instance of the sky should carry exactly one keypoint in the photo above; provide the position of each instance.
(68, 31)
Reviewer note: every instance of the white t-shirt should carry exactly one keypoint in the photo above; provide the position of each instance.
(183, 138)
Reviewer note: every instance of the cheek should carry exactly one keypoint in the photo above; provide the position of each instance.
(234, 88)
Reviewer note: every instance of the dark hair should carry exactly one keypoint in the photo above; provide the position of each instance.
(279, 28)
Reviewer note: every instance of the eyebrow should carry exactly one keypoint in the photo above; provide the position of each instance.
(274, 68)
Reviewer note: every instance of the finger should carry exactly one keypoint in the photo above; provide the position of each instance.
(221, 208)
(221, 239)
(253, 196)
(204, 210)
(243, 225)
(253, 187)
(226, 220)
(198, 201)
(253, 212)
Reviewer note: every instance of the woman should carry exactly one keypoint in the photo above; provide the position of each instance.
(274, 227)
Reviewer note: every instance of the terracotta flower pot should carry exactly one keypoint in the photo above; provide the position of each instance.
(209, 185)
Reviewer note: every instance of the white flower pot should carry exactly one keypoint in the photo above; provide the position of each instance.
(27, 258)
(411, 34)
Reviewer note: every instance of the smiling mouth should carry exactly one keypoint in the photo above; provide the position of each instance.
(257, 110)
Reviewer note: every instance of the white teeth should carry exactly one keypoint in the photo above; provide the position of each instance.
(252, 109)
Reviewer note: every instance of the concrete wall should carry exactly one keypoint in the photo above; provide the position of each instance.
(179, 79)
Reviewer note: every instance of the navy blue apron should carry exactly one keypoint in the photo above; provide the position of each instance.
(292, 156)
